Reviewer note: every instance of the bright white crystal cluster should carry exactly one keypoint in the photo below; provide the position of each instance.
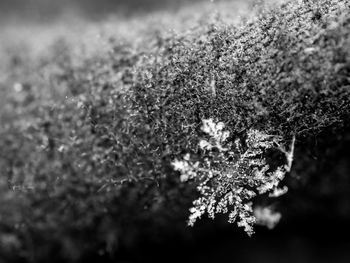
(232, 173)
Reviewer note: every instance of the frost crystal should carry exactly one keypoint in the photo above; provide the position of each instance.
(266, 217)
(232, 173)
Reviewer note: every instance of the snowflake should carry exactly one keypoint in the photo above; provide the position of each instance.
(232, 173)
(266, 217)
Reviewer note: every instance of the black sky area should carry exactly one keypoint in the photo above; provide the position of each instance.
(47, 10)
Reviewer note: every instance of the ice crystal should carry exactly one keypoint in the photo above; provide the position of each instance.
(232, 173)
(265, 216)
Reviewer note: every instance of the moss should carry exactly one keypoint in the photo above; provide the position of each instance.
(87, 146)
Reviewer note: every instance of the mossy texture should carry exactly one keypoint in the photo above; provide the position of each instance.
(87, 138)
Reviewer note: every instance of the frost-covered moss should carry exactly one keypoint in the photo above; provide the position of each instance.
(87, 140)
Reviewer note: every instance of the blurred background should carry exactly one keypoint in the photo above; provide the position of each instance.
(49, 10)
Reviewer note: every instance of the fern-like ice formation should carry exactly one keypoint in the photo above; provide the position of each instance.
(231, 173)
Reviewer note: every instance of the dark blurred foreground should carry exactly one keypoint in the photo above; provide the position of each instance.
(318, 241)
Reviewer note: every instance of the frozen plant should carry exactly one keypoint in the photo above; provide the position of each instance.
(230, 173)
